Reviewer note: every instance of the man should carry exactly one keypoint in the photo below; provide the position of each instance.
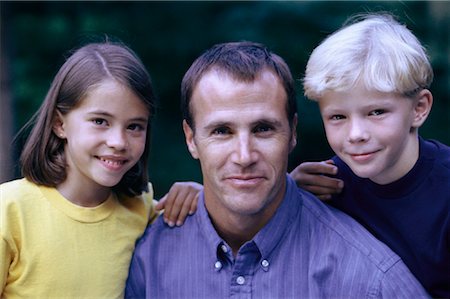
(255, 235)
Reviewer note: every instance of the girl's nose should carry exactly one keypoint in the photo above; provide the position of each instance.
(117, 139)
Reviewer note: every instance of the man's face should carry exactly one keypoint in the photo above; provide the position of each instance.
(242, 138)
(372, 132)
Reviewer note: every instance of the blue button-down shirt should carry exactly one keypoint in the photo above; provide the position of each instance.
(307, 250)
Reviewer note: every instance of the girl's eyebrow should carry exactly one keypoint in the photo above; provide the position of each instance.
(107, 114)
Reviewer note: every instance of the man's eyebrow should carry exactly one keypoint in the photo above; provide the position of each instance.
(217, 124)
(267, 121)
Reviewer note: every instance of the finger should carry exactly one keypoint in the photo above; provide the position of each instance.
(160, 205)
(320, 191)
(194, 205)
(184, 210)
(170, 207)
(324, 197)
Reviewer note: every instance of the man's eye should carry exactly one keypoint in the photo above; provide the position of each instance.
(221, 131)
(262, 129)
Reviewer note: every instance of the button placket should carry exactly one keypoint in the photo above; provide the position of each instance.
(265, 265)
(240, 280)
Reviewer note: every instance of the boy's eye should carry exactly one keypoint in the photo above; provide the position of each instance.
(377, 112)
(337, 117)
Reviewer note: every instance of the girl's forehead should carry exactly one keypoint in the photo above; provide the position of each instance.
(114, 97)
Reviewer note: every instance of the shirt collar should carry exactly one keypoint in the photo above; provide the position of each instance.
(270, 235)
(275, 230)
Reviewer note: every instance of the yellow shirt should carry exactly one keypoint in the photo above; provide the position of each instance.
(51, 248)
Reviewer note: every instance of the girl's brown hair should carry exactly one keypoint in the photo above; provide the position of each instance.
(43, 159)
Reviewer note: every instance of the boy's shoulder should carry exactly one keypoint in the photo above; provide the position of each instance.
(437, 150)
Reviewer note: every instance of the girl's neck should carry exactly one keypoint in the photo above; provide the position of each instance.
(85, 197)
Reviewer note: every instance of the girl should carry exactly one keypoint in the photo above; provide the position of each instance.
(68, 228)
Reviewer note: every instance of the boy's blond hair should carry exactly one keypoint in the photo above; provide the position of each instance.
(374, 50)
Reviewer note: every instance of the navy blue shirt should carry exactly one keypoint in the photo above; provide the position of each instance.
(307, 250)
(411, 215)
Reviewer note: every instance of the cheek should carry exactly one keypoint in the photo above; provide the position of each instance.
(139, 146)
(333, 136)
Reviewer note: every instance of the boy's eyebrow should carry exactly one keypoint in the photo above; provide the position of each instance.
(107, 114)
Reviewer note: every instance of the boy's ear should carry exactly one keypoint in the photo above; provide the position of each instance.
(58, 125)
(422, 108)
(189, 134)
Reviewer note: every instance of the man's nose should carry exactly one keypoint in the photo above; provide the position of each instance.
(244, 152)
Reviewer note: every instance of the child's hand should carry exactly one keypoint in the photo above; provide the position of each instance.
(312, 176)
(179, 202)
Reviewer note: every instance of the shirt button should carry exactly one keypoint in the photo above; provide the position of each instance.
(224, 248)
(240, 280)
(265, 263)
(218, 266)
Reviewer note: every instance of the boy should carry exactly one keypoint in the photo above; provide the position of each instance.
(370, 80)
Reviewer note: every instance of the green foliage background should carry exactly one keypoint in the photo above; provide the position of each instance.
(168, 36)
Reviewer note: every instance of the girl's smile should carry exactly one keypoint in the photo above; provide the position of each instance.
(105, 137)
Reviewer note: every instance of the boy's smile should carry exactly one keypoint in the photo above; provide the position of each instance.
(372, 132)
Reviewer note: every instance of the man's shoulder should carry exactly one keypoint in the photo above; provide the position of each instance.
(346, 232)
(159, 232)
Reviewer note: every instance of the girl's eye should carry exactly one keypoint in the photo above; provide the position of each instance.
(99, 121)
(136, 127)
(377, 112)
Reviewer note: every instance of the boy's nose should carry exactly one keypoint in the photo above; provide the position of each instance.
(358, 131)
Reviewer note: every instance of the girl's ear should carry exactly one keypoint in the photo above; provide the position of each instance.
(189, 134)
(58, 125)
(422, 107)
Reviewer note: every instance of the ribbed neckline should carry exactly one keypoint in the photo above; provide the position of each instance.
(79, 213)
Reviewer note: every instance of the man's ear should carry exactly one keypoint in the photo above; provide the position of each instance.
(58, 125)
(293, 141)
(189, 135)
(422, 107)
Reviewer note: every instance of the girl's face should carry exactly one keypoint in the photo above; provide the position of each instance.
(105, 137)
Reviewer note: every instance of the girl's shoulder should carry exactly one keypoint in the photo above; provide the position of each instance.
(19, 197)
(18, 189)
(141, 204)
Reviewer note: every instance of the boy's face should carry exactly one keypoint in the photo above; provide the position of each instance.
(372, 132)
